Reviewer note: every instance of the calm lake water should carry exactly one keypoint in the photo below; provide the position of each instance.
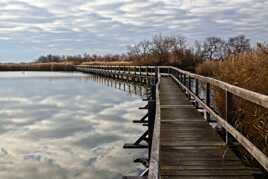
(67, 126)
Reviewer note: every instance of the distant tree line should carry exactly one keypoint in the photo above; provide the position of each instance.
(167, 50)
(175, 50)
(77, 59)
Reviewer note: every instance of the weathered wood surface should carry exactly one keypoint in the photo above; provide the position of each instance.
(189, 146)
(134, 177)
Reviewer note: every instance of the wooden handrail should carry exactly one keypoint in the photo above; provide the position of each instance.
(248, 145)
(248, 95)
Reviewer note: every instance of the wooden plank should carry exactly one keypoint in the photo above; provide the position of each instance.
(205, 172)
(134, 177)
(171, 113)
(205, 177)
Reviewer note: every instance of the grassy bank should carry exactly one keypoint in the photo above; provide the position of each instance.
(37, 67)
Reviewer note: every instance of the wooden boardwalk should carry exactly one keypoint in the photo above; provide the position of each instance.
(189, 146)
(180, 142)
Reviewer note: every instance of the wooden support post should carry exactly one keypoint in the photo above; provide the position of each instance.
(151, 117)
(140, 75)
(189, 86)
(125, 71)
(128, 75)
(228, 113)
(196, 91)
(138, 144)
(197, 87)
(142, 120)
(155, 75)
(119, 72)
(208, 100)
(184, 79)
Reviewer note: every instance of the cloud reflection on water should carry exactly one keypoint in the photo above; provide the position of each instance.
(66, 128)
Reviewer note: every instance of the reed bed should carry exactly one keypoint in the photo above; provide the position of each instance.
(248, 70)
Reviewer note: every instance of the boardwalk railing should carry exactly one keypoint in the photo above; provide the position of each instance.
(185, 80)
(190, 83)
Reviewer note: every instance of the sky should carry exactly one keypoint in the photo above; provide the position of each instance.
(30, 28)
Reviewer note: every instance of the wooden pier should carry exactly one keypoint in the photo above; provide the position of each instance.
(181, 142)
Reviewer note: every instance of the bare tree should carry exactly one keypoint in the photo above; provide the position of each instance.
(198, 51)
(145, 50)
(178, 48)
(161, 48)
(238, 45)
(263, 48)
(134, 52)
(214, 48)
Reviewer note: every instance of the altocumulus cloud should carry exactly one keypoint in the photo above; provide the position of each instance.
(35, 27)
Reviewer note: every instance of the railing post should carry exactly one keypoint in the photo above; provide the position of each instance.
(190, 83)
(228, 113)
(140, 74)
(155, 74)
(208, 100)
(180, 77)
(189, 86)
(196, 91)
(119, 71)
(197, 87)
(184, 79)
(151, 119)
(128, 76)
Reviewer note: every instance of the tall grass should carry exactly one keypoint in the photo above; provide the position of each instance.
(248, 70)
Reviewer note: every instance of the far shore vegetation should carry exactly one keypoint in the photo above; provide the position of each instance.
(234, 60)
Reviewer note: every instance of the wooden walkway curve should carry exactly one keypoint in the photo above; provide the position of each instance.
(189, 146)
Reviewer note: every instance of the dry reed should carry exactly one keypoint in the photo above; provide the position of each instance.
(250, 71)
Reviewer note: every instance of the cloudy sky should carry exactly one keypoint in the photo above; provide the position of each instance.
(29, 28)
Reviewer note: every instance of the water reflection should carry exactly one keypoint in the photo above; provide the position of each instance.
(131, 88)
(65, 125)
